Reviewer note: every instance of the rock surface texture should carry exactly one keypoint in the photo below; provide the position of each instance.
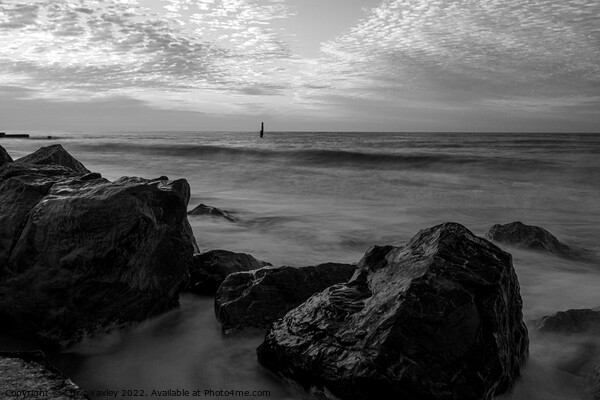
(203, 209)
(29, 375)
(438, 318)
(211, 268)
(80, 254)
(259, 297)
(4, 156)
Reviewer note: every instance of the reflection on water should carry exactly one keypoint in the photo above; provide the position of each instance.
(300, 205)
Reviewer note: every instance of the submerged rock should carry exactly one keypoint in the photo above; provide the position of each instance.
(259, 297)
(438, 318)
(586, 362)
(593, 382)
(528, 236)
(211, 268)
(80, 254)
(572, 321)
(29, 375)
(4, 156)
(203, 209)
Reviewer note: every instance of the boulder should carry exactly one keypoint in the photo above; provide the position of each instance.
(54, 154)
(203, 209)
(211, 268)
(259, 297)
(4, 157)
(80, 254)
(29, 375)
(438, 318)
(528, 236)
(572, 322)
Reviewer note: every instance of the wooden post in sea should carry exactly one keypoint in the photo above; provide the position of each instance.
(262, 129)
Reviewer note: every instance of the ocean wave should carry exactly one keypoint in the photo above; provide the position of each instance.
(311, 157)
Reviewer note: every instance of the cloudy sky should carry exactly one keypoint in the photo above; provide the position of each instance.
(399, 65)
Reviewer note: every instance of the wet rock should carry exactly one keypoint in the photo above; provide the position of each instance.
(81, 255)
(211, 268)
(528, 236)
(4, 156)
(29, 375)
(54, 154)
(572, 321)
(259, 297)
(203, 209)
(438, 318)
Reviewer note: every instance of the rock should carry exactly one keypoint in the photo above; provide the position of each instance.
(203, 209)
(29, 375)
(572, 321)
(528, 236)
(22, 187)
(211, 268)
(54, 154)
(81, 255)
(259, 297)
(438, 318)
(4, 157)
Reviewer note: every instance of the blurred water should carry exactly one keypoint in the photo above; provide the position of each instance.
(308, 198)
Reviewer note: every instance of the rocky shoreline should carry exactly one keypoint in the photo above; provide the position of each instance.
(438, 318)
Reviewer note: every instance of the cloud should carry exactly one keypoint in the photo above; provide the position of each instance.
(64, 47)
(450, 55)
(468, 50)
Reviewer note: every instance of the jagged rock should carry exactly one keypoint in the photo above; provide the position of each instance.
(54, 154)
(259, 297)
(438, 318)
(528, 236)
(572, 321)
(211, 268)
(4, 156)
(203, 209)
(30, 375)
(80, 254)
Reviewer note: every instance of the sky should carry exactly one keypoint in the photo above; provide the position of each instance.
(300, 65)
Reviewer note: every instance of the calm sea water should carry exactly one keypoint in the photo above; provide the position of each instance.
(308, 198)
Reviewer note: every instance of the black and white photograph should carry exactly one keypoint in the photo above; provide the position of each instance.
(300, 199)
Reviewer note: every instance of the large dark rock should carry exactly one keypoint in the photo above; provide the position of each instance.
(572, 321)
(203, 209)
(211, 268)
(80, 254)
(259, 297)
(528, 236)
(30, 375)
(54, 154)
(438, 318)
(4, 157)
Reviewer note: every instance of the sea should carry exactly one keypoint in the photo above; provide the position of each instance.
(304, 198)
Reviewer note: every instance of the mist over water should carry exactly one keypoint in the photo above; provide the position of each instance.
(308, 198)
